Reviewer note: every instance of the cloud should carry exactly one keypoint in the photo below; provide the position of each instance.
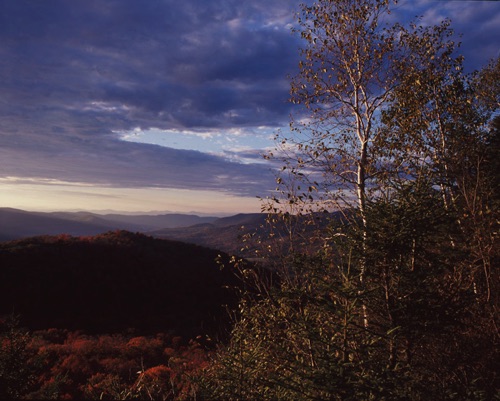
(74, 73)
(476, 25)
(164, 60)
(116, 163)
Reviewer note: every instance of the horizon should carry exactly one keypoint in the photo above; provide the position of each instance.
(108, 212)
(154, 106)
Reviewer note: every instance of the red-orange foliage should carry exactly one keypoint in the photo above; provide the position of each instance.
(160, 372)
(155, 383)
(104, 386)
(118, 365)
(76, 365)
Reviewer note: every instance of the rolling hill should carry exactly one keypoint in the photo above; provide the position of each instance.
(224, 233)
(114, 282)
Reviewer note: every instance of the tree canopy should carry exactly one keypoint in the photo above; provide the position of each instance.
(396, 300)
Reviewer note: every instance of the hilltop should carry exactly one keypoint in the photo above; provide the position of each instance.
(114, 282)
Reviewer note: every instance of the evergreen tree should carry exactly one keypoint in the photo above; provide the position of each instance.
(16, 367)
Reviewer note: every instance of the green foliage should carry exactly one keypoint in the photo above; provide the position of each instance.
(305, 340)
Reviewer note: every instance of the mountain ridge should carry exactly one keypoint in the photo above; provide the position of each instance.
(18, 223)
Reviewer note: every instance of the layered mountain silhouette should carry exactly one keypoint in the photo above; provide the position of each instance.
(218, 233)
(230, 234)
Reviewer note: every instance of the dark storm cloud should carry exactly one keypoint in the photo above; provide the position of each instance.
(72, 73)
(208, 57)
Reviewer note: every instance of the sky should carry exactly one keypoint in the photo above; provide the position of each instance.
(162, 105)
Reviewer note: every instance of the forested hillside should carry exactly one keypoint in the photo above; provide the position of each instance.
(116, 315)
(114, 282)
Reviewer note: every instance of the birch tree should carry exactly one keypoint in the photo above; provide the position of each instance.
(348, 73)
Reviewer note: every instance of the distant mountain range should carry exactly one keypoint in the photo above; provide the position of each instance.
(218, 233)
